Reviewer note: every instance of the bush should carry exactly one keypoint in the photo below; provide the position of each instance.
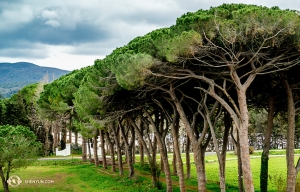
(251, 150)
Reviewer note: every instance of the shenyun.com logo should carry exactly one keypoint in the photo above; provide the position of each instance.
(14, 181)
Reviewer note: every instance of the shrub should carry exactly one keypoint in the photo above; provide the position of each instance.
(251, 150)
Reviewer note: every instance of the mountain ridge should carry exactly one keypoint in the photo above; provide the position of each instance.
(14, 76)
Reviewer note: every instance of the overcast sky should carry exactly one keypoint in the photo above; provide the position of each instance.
(71, 34)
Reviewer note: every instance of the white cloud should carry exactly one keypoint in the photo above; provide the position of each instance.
(46, 14)
(52, 23)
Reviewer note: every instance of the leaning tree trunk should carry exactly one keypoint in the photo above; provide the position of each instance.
(266, 146)
(147, 148)
(4, 181)
(291, 170)
(163, 152)
(104, 162)
(197, 145)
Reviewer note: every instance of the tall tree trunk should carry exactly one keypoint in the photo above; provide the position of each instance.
(95, 148)
(291, 170)
(112, 152)
(200, 169)
(243, 138)
(197, 145)
(266, 145)
(177, 155)
(89, 149)
(228, 126)
(84, 150)
(119, 151)
(46, 144)
(220, 160)
(152, 164)
(162, 150)
(70, 136)
(174, 164)
(188, 158)
(133, 146)
(141, 150)
(128, 146)
(104, 162)
(238, 152)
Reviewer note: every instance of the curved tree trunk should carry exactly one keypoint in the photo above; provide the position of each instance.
(4, 180)
(163, 151)
(152, 163)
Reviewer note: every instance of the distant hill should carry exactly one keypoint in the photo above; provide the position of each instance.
(14, 76)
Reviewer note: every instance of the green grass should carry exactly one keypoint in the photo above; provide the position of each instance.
(76, 176)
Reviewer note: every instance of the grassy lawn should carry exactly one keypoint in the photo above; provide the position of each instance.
(74, 175)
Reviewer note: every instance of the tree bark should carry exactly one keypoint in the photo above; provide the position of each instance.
(112, 152)
(238, 152)
(163, 152)
(128, 146)
(291, 170)
(4, 180)
(188, 158)
(104, 162)
(243, 138)
(174, 164)
(177, 155)
(152, 164)
(119, 151)
(76, 138)
(89, 149)
(266, 145)
(141, 150)
(84, 150)
(95, 148)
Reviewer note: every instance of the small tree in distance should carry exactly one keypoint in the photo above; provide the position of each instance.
(18, 148)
